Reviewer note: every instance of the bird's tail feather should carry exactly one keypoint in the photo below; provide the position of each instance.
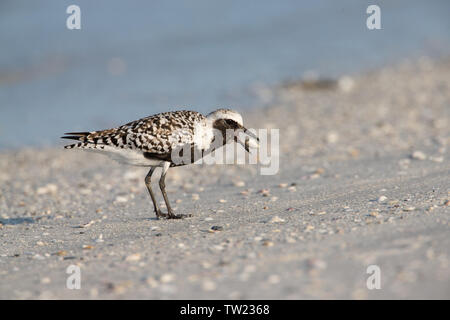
(80, 136)
(91, 140)
(76, 135)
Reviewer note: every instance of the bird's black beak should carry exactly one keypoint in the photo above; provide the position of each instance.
(250, 139)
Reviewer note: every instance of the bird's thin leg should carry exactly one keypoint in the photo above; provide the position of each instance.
(162, 185)
(148, 183)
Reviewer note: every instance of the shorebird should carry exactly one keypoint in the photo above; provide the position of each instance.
(160, 139)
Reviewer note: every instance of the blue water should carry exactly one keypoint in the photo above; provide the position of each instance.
(135, 58)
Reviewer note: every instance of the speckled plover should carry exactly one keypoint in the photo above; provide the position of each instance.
(151, 142)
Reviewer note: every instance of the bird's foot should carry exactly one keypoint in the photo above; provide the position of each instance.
(160, 215)
(171, 215)
(178, 216)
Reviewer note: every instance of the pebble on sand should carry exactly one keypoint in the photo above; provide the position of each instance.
(374, 214)
(167, 277)
(319, 171)
(86, 225)
(100, 238)
(119, 288)
(45, 280)
(121, 199)
(152, 282)
(332, 137)
(276, 219)
(274, 279)
(316, 264)
(437, 159)
(133, 257)
(209, 285)
(267, 243)
(195, 196)
(49, 188)
(61, 253)
(239, 184)
(418, 155)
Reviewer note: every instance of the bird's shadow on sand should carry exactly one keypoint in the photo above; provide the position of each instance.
(15, 221)
(150, 219)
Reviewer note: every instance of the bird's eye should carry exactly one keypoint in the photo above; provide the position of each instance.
(230, 122)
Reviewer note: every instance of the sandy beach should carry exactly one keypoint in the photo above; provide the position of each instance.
(363, 180)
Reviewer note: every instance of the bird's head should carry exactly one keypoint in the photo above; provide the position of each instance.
(227, 119)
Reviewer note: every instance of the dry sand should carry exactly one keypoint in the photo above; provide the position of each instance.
(363, 180)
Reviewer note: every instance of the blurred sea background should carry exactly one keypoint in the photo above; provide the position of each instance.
(135, 58)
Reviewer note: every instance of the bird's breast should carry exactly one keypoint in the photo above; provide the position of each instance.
(203, 135)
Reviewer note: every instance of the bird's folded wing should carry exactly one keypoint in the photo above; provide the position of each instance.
(158, 134)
